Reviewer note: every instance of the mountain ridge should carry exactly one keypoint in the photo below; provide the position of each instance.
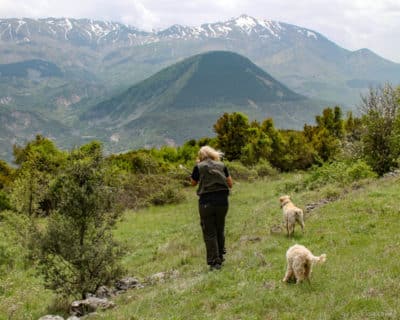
(85, 31)
(121, 55)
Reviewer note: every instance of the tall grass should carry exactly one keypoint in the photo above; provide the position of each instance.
(358, 232)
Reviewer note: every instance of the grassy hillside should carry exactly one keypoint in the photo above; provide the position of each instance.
(358, 232)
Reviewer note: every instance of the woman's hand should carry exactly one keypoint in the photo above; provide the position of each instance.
(193, 182)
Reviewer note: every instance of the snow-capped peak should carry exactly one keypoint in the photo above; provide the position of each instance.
(92, 32)
(245, 22)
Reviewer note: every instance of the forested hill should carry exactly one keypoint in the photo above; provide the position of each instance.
(183, 101)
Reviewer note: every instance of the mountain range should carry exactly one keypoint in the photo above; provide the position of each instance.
(61, 70)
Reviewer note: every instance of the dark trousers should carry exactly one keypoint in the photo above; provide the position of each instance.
(212, 220)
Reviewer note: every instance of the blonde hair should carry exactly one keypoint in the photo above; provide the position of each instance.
(206, 152)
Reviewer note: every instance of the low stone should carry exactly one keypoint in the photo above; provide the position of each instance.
(162, 276)
(127, 283)
(275, 229)
(89, 305)
(250, 238)
(105, 292)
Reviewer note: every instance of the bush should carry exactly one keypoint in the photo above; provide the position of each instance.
(341, 173)
(181, 177)
(76, 249)
(239, 172)
(381, 114)
(6, 258)
(4, 201)
(360, 170)
(264, 169)
(142, 190)
(168, 195)
(295, 184)
(13, 229)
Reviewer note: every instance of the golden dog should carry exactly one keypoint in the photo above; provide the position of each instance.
(291, 215)
(299, 263)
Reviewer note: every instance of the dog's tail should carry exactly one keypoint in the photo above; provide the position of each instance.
(320, 259)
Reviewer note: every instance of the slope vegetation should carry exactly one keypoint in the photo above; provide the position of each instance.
(358, 232)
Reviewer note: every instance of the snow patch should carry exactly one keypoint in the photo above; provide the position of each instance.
(311, 34)
(115, 137)
(20, 24)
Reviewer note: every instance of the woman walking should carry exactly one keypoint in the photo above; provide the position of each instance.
(214, 182)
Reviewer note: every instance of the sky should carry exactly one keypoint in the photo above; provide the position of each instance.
(352, 24)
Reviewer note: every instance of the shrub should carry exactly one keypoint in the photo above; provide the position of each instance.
(6, 257)
(360, 170)
(4, 201)
(264, 169)
(341, 173)
(239, 172)
(13, 231)
(140, 161)
(296, 184)
(169, 194)
(142, 190)
(76, 249)
(381, 114)
(180, 176)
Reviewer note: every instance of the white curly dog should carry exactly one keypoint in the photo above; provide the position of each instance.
(299, 263)
(291, 215)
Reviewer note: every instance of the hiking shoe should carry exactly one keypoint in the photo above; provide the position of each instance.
(216, 266)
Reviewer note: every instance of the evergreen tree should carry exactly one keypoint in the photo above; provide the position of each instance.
(77, 251)
(232, 134)
(327, 135)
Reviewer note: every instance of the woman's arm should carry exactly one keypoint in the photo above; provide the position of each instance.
(229, 181)
(195, 176)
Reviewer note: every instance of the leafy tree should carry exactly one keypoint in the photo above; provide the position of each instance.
(380, 109)
(353, 128)
(6, 174)
(258, 147)
(326, 136)
(277, 143)
(76, 250)
(207, 141)
(298, 154)
(232, 134)
(47, 157)
(39, 162)
(6, 177)
(331, 120)
(188, 152)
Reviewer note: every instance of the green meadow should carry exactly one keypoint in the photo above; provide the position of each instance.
(358, 229)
